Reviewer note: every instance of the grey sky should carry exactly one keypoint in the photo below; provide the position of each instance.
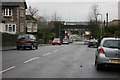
(75, 10)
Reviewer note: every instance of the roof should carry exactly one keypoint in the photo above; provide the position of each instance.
(111, 38)
(76, 23)
(29, 17)
(13, 3)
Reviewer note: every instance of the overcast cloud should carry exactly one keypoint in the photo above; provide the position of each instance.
(75, 10)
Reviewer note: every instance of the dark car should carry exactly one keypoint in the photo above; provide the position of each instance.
(26, 41)
(56, 41)
(108, 53)
(93, 43)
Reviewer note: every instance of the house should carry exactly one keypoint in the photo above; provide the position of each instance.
(114, 23)
(13, 17)
(31, 24)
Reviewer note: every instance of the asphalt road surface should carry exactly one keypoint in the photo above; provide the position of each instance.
(66, 61)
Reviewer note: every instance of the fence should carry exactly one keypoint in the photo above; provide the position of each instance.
(8, 39)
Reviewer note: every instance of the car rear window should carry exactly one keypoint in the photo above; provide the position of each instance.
(56, 38)
(112, 44)
(23, 37)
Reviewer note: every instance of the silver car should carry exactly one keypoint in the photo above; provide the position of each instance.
(108, 53)
(65, 41)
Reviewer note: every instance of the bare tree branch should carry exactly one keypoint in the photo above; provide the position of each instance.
(55, 17)
(32, 11)
(94, 13)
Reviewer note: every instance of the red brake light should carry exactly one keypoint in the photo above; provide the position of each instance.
(101, 50)
(58, 41)
(28, 41)
(23, 41)
(18, 41)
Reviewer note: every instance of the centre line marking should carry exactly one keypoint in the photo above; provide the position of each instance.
(55, 51)
(46, 54)
(7, 69)
(31, 59)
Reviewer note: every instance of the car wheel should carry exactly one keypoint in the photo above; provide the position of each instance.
(36, 47)
(18, 48)
(98, 66)
(31, 47)
(88, 46)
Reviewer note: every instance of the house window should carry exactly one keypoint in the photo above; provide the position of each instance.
(10, 27)
(7, 12)
(29, 30)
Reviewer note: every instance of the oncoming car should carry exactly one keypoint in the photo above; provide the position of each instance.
(26, 41)
(108, 53)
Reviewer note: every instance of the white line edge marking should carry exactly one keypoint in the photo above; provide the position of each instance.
(31, 59)
(7, 69)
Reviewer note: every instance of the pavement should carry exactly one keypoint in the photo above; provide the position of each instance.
(7, 48)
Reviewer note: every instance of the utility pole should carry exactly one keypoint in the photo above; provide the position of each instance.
(106, 19)
(104, 23)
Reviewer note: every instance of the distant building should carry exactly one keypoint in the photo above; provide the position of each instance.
(114, 23)
(13, 17)
(31, 24)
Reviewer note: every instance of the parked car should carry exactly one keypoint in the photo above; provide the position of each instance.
(65, 41)
(86, 42)
(56, 41)
(108, 53)
(70, 40)
(26, 41)
(93, 42)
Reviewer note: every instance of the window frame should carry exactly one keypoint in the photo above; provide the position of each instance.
(7, 11)
(10, 27)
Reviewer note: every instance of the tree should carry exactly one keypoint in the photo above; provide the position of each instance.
(111, 31)
(93, 21)
(32, 11)
(55, 17)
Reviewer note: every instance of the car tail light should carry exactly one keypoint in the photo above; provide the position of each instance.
(101, 50)
(17, 41)
(28, 41)
(58, 41)
(23, 41)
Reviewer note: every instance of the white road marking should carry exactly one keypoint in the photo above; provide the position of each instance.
(46, 54)
(31, 59)
(7, 69)
(55, 51)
